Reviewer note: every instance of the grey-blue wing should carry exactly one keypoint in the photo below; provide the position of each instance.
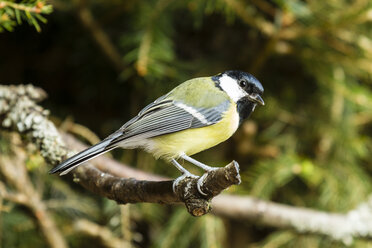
(166, 116)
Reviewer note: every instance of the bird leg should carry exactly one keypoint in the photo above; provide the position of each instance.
(197, 163)
(185, 173)
(180, 168)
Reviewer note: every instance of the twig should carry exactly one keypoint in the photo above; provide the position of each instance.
(99, 36)
(102, 233)
(17, 197)
(68, 125)
(342, 227)
(260, 23)
(33, 9)
(147, 39)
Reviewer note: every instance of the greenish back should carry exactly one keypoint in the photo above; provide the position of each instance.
(199, 92)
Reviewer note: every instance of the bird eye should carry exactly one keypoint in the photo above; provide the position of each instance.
(243, 83)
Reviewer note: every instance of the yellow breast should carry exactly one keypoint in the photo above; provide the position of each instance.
(195, 140)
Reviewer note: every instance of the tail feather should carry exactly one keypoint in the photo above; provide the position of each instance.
(83, 156)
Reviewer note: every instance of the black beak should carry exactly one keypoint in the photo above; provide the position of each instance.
(256, 98)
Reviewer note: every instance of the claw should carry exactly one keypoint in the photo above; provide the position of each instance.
(200, 183)
(180, 178)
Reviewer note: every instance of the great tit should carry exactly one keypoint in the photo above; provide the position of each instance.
(194, 116)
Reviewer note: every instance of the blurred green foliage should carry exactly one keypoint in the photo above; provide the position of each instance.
(12, 13)
(310, 146)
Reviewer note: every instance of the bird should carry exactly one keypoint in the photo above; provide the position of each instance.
(196, 115)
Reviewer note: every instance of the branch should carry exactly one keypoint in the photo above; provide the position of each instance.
(124, 190)
(342, 227)
(23, 115)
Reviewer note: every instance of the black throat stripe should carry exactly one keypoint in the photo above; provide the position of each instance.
(244, 108)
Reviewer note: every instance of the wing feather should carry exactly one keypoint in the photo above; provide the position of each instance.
(165, 116)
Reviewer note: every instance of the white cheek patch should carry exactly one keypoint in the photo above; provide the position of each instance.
(231, 87)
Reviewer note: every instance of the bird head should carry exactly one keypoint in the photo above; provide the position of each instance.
(240, 86)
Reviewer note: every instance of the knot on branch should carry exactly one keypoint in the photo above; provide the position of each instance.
(197, 193)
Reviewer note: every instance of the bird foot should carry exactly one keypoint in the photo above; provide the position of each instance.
(199, 184)
(181, 178)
